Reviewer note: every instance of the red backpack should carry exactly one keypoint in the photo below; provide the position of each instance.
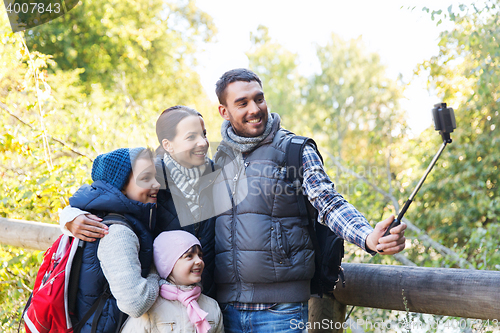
(52, 302)
(47, 308)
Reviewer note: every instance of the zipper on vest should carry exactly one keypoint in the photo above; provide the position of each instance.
(236, 272)
(235, 180)
(150, 217)
(238, 280)
(232, 193)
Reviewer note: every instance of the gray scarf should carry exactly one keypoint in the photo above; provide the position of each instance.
(244, 144)
(187, 181)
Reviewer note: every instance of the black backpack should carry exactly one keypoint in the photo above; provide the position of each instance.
(328, 247)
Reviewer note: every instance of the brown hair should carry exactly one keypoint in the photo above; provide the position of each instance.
(239, 74)
(166, 125)
(145, 154)
(195, 249)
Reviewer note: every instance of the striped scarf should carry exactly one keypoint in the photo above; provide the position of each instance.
(245, 144)
(187, 181)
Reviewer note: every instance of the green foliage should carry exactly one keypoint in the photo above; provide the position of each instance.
(85, 87)
(144, 49)
(17, 275)
(352, 96)
(37, 173)
(460, 205)
(354, 110)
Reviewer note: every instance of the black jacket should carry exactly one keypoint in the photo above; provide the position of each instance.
(172, 209)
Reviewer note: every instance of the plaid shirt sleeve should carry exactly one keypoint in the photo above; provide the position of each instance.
(333, 210)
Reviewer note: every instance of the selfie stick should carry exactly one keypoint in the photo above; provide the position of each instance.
(444, 121)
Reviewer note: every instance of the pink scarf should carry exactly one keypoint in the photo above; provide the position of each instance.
(188, 299)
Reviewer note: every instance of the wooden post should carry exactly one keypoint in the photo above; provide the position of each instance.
(326, 315)
(27, 234)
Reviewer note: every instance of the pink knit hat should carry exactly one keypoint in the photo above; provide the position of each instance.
(168, 247)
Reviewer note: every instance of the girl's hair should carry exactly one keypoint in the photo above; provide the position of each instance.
(194, 249)
(145, 154)
(166, 125)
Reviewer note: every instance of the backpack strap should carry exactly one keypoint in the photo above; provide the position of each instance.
(95, 308)
(99, 303)
(114, 218)
(293, 157)
(24, 312)
(295, 175)
(75, 272)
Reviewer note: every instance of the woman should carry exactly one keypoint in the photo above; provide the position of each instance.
(185, 198)
(185, 172)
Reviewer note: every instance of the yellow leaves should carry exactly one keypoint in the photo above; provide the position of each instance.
(22, 52)
(142, 40)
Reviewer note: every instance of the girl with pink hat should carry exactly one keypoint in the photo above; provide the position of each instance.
(181, 308)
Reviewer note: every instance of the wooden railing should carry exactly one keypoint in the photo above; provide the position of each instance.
(440, 291)
(28, 234)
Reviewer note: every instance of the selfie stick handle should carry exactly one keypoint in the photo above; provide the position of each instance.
(397, 220)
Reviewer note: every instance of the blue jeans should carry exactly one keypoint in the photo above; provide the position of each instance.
(282, 318)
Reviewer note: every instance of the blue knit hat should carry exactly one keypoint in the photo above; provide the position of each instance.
(115, 167)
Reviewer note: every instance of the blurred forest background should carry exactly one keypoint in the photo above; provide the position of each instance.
(97, 78)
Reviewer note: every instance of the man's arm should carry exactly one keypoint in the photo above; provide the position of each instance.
(340, 216)
(81, 224)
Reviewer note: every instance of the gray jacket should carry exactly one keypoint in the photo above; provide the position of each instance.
(263, 250)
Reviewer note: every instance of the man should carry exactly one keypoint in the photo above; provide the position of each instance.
(264, 257)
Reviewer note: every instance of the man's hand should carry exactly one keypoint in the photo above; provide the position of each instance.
(390, 244)
(87, 227)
